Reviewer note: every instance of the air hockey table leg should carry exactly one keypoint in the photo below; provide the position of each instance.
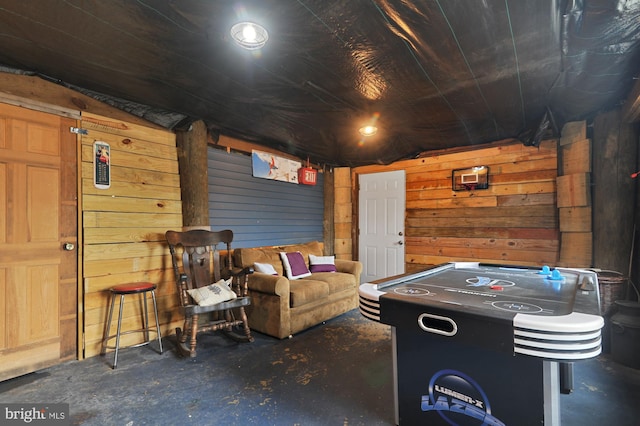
(394, 354)
(551, 383)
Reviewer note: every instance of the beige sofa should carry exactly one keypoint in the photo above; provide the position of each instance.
(281, 307)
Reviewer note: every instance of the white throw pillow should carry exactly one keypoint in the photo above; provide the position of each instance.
(265, 268)
(322, 263)
(213, 293)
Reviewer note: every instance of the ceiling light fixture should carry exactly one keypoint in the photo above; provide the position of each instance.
(368, 130)
(249, 35)
(371, 128)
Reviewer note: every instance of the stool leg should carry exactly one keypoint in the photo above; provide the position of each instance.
(155, 311)
(107, 327)
(145, 320)
(115, 357)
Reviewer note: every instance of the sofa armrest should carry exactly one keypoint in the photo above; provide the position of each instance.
(269, 284)
(352, 267)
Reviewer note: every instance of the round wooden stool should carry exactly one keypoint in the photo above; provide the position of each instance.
(141, 288)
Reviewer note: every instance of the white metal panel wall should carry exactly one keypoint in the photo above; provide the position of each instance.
(261, 212)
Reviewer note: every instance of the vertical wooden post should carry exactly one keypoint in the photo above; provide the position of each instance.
(329, 229)
(192, 160)
(614, 159)
(343, 215)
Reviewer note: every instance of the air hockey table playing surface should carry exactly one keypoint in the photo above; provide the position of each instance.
(501, 331)
(496, 290)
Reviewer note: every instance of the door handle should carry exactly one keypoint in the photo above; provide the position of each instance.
(400, 242)
(68, 246)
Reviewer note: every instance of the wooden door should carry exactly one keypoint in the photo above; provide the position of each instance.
(38, 215)
(381, 211)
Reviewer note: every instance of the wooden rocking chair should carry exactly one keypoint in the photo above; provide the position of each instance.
(196, 262)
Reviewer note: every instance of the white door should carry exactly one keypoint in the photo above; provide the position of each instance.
(381, 204)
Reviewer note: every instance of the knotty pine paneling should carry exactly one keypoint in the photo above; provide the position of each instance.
(514, 221)
(124, 226)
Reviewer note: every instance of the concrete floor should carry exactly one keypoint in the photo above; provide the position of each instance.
(339, 373)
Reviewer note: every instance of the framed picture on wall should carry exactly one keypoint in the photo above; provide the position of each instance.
(268, 166)
(101, 165)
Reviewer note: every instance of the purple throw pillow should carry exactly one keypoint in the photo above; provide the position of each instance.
(322, 263)
(294, 265)
(322, 268)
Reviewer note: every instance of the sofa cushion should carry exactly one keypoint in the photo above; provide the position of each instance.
(304, 291)
(337, 281)
(294, 265)
(244, 257)
(313, 247)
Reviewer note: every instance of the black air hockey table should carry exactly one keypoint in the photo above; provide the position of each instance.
(477, 344)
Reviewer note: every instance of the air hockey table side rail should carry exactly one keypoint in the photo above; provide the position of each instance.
(568, 337)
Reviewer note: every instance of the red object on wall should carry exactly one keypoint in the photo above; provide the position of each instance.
(307, 175)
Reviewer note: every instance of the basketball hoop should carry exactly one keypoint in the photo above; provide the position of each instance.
(470, 179)
(469, 186)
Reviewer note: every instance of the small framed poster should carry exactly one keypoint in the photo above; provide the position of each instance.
(101, 165)
(470, 179)
(268, 166)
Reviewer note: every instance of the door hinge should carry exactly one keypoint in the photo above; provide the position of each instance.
(78, 131)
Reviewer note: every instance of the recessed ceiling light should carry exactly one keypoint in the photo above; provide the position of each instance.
(249, 35)
(368, 130)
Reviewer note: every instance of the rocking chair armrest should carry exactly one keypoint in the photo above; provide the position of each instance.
(239, 278)
(241, 271)
(236, 272)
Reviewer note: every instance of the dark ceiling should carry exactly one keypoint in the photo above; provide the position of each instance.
(434, 73)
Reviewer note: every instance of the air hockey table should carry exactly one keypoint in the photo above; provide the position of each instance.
(478, 344)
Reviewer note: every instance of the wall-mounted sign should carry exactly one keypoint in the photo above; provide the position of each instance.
(470, 179)
(101, 165)
(269, 166)
(307, 176)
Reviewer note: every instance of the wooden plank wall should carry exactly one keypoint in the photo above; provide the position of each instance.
(514, 221)
(574, 197)
(124, 225)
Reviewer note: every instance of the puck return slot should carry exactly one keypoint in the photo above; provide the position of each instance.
(437, 324)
